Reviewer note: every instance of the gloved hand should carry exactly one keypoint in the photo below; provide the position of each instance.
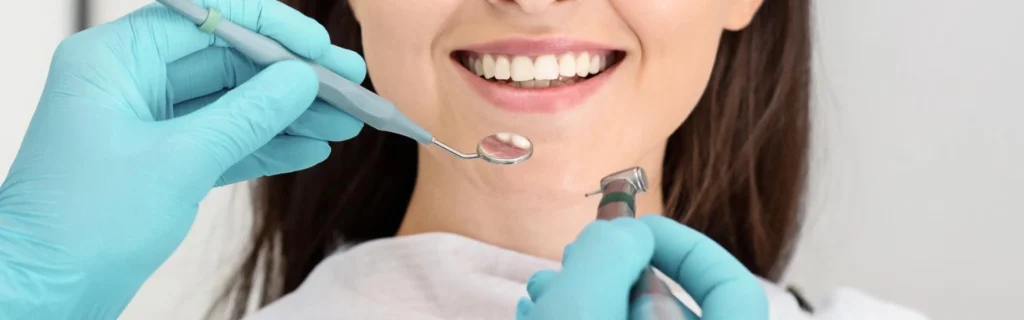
(135, 125)
(601, 265)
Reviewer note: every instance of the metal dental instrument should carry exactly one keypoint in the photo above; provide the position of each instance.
(650, 298)
(337, 91)
(501, 148)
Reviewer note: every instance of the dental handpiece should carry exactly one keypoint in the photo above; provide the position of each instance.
(337, 91)
(650, 298)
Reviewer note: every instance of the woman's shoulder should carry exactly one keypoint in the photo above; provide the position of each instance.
(841, 303)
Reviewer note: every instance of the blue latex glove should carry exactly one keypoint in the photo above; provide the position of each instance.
(601, 265)
(134, 127)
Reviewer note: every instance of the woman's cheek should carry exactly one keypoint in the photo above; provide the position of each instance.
(398, 53)
(403, 78)
(679, 41)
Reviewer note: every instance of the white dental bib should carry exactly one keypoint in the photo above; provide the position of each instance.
(447, 276)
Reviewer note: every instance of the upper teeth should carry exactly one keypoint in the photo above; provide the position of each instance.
(519, 141)
(545, 67)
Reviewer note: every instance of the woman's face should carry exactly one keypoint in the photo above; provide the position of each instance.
(597, 85)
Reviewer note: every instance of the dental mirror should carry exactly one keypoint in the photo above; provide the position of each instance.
(503, 148)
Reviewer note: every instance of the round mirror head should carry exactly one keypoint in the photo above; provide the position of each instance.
(505, 148)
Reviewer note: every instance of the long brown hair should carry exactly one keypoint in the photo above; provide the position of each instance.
(735, 170)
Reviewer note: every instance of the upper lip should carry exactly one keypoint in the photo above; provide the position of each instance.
(536, 47)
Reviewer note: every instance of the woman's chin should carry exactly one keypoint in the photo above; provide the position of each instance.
(568, 160)
(556, 177)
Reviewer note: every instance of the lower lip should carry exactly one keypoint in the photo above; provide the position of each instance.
(535, 100)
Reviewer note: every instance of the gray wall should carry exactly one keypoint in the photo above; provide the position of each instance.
(916, 192)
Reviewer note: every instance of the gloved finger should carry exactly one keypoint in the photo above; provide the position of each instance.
(174, 37)
(214, 69)
(523, 308)
(208, 71)
(598, 270)
(539, 283)
(321, 121)
(642, 308)
(719, 283)
(247, 117)
(325, 122)
(615, 250)
(282, 154)
(185, 108)
(344, 62)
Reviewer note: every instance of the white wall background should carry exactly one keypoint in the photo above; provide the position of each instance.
(916, 190)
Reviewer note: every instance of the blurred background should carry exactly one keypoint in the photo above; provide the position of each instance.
(916, 194)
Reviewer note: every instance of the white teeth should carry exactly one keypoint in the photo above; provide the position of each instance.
(567, 65)
(540, 72)
(488, 66)
(522, 69)
(478, 67)
(516, 140)
(521, 142)
(504, 137)
(583, 64)
(502, 68)
(546, 67)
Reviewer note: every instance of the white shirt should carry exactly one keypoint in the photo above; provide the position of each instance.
(447, 276)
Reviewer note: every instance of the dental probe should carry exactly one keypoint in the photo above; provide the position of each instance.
(337, 91)
(650, 298)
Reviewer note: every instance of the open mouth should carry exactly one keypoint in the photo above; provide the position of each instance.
(541, 71)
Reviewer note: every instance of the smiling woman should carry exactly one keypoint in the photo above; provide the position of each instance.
(709, 96)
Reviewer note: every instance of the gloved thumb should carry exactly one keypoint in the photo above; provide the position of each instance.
(246, 118)
(598, 269)
(615, 251)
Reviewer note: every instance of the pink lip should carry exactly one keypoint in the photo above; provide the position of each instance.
(535, 100)
(526, 47)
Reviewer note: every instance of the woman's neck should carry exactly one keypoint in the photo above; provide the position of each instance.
(526, 208)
